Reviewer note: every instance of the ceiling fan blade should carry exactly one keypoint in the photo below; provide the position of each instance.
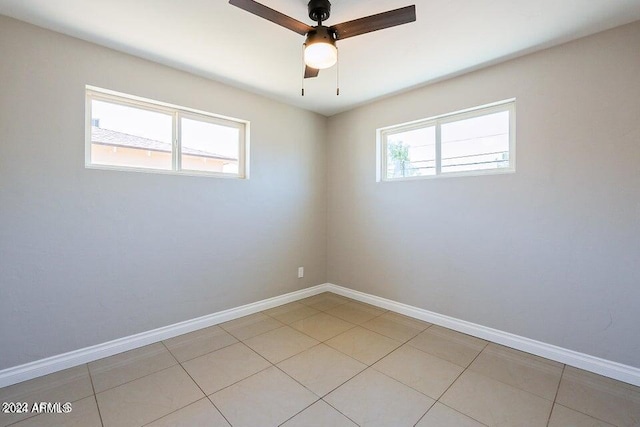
(380, 21)
(310, 73)
(272, 15)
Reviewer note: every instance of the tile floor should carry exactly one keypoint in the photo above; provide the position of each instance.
(326, 361)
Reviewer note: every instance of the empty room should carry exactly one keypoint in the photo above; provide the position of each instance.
(313, 213)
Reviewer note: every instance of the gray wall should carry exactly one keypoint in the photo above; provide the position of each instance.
(551, 252)
(87, 256)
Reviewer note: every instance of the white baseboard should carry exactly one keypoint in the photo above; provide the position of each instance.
(618, 371)
(59, 362)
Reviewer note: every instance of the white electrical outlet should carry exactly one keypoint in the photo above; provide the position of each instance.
(300, 272)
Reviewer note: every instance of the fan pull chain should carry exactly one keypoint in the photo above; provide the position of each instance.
(337, 72)
(303, 65)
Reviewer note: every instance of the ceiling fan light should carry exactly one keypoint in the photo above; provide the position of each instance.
(320, 55)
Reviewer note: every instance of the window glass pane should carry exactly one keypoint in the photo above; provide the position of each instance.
(411, 153)
(209, 147)
(475, 144)
(129, 136)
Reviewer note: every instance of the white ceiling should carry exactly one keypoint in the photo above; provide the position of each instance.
(216, 40)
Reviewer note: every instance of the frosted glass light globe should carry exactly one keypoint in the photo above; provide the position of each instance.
(320, 55)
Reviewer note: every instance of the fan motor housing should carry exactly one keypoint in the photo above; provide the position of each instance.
(319, 10)
(321, 34)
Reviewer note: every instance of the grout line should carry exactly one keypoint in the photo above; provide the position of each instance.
(289, 376)
(139, 378)
(206, 396)
(438, 357)
(461, 413)
(204, 354)
(426, 412)
(332, 306)
(306, 388)
(553, 403)
(353, 325)
(294, 321)
(367, 364)
(587, 415)
(95, 396)
(345, 415)
(407, 385)
(333, 336)
(285, 373)
(167, 348)
(349, 379)
(197, 385)
(240, 380)
(457, 378)
(331, 348)
(404, 341)
(249, 376)
(499, 381)
(511, 385)
(278, 368)
(344, 382)
(258, 321)
(271, 365)
(173, 412)
(32, 415)
(299, 412)
(297, 354)
(218, 409)
(573, 409)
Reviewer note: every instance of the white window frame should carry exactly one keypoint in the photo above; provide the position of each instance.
(437, 121)
(177, 113)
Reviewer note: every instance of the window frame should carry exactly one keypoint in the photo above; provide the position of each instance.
(437, 122)
(177, 113)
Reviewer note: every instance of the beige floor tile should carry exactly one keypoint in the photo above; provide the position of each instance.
(265, 399)
(199, 414)
(322, 326)
(146, 399)
(84, 413)
(442, 416)
(356, 312)
(602, 398)
(494, 403)
(320, 414)
(396, 326)
(280, 344)
(69, 385)
(223, 367)
(565, 417)
(291, 312)
(124, 367)
(374, 399)
(321, 368)
(197, 343)
(419, 370)
(364, 345)
(250, 326)
(324, 301)
(522, 370)
(446, 344)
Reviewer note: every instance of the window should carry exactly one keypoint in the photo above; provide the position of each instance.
(131, 133)
(472, 142)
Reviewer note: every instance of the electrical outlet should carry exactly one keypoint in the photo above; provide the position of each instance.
(300, 272)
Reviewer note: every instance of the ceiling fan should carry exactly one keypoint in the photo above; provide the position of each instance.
(320, 50)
